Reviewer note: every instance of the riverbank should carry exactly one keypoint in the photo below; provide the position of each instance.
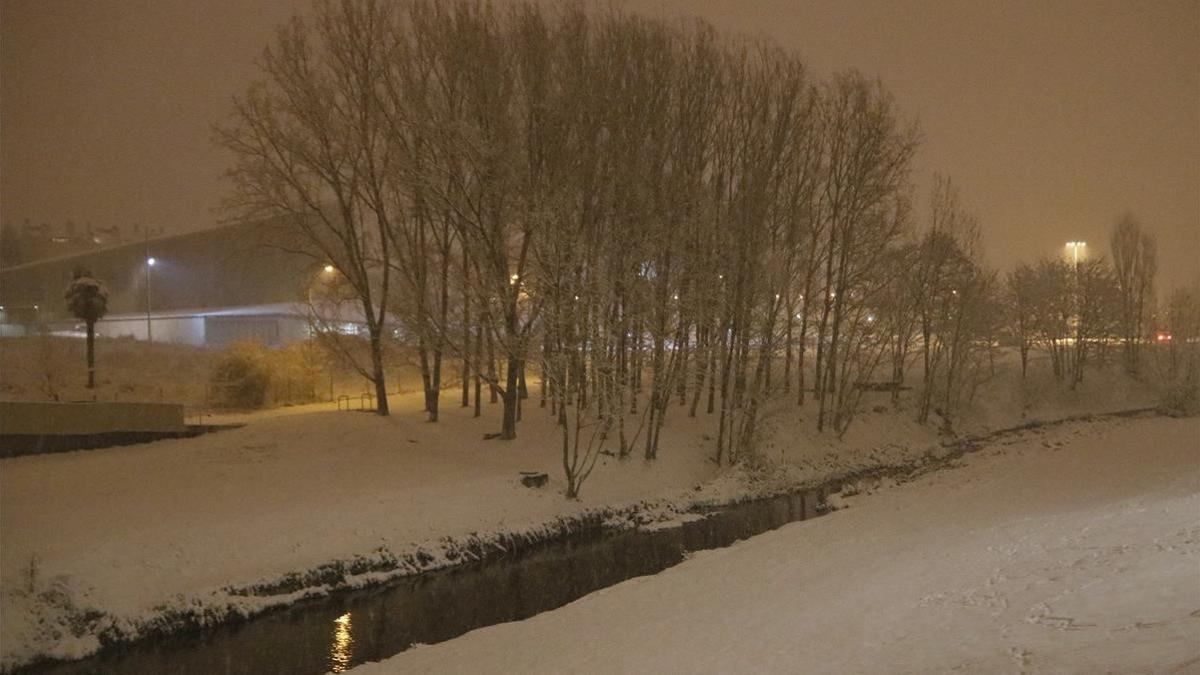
(1070, 549)
(121, 543)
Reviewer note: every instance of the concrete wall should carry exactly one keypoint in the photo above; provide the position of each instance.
(29, 418)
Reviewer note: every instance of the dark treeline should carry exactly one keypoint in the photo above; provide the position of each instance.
(648, 218)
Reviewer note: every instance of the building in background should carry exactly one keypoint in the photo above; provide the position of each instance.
(210, 287)
(26, 242)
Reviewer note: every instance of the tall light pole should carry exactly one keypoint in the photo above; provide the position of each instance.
(326, 275)
(1075, 246)
(149, 329)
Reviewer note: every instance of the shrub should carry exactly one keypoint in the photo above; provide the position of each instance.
(295, 374)
(1181, 397)
(241, 377)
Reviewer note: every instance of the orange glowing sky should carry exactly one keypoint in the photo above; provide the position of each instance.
(1053, 117)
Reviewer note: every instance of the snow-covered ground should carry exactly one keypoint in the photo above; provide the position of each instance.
(1072, 550)
(46, 368)
(118, 539)
(137, 530)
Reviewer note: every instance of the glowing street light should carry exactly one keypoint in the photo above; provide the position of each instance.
(150, 262)
(1074, 247)
(324, 276)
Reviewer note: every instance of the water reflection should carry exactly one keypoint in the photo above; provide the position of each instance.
(342, 649)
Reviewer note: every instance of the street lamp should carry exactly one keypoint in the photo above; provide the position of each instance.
(323, 277)
(1074, 247)
(150, 262)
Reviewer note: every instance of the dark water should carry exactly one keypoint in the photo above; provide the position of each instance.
(347, 628)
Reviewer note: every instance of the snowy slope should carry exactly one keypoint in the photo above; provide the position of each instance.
(1075, 550)
(135, 531)
(119, 539)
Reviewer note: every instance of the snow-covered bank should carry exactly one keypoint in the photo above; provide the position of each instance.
(129, 541)
(111, 539)
(1076, 549)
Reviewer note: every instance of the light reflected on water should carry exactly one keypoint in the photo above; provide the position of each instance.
(342, 648)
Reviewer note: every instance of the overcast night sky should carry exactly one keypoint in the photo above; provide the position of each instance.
(1053, 117)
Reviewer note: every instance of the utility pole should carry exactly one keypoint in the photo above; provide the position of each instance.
(149, 262)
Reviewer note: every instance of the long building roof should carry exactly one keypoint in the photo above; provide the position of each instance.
(229, 266)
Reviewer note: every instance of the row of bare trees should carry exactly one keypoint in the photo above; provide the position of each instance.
(639, 212)
(1075, 309)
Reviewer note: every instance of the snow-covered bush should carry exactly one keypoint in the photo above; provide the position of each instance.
(241, 377)
(249, 375)
(1181, 397)
(295, 374)
(1179, 353)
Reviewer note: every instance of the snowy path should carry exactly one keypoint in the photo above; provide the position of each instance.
(1076, 550)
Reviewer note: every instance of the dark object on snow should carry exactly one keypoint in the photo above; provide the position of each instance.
(534, 479)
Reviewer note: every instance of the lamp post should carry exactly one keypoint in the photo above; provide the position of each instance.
(326, 275)
(150, 262)
(1074, 246)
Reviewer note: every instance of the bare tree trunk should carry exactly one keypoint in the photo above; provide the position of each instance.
(478, 370)
(682, 343)
(787, 351)
(703, 356)
(91, 353)
(466, 331)
(712, 370)
(381, 396)
(491, 368)
(508, 429)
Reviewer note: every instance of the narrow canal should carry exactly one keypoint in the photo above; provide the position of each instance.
(339, 631)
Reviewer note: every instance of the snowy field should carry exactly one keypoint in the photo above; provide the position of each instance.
(1076, 550)
(115, 540)
(136, 530)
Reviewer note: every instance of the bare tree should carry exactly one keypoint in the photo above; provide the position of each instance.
(643, 211)
(1095, 317)
(945, 269)
(309, 150)
(1134, 261)
(1021, 295)
(1181, 373)
(866, 159)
